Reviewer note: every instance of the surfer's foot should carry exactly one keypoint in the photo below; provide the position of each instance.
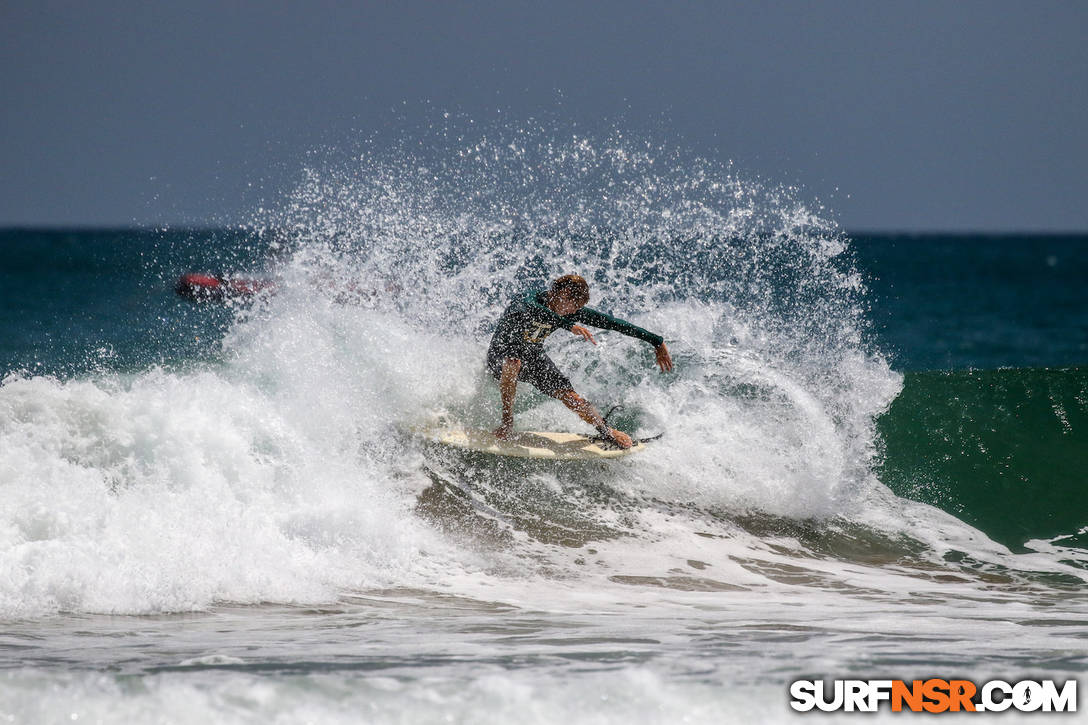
(622, 439)
(504, 432)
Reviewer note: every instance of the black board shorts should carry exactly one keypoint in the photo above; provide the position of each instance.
(538, 370)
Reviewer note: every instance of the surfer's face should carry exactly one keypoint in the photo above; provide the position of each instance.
(563, 304)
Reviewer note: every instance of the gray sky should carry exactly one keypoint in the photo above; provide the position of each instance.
(924, 115)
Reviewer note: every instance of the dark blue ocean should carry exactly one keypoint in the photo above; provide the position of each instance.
(221, 509)
(77, 299)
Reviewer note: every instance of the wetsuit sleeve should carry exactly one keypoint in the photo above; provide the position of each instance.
(530, 301)
(590, 316)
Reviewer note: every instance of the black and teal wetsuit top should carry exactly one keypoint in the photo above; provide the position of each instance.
(527, 322)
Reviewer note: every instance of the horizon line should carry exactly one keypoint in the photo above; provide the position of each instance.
(860, 232)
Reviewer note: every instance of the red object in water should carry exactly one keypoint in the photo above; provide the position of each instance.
(214, 288)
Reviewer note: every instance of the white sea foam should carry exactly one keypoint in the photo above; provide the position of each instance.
(170, 491)
(629, 696)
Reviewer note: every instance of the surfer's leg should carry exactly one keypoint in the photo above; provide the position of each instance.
(587, 412)
(543, 374)
(508, 381)
(582, 407)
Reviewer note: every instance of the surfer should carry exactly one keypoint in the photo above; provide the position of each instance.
(517, 349)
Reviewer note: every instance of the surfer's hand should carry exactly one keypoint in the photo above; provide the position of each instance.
(504, 432)
(664, 359)
(622, 439)
(583, 332)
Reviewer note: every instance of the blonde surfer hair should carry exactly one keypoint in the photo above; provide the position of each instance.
(573, 285)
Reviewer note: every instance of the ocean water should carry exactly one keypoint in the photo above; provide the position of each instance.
(873, 462)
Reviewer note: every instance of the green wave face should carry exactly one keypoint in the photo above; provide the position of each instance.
(1004, 450)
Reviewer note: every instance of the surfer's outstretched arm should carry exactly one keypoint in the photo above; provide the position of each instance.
(590, 316)
(664, 359)
(508, 386)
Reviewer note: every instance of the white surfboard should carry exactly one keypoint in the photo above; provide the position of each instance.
(533, 444)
